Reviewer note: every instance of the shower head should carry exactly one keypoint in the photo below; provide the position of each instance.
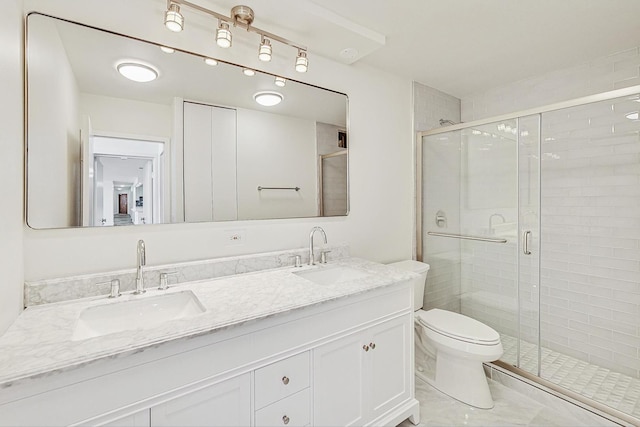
(446, 121)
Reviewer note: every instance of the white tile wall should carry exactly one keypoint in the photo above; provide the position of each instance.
(334, 170)
(615, 71)
(590, 263)
(441, 191)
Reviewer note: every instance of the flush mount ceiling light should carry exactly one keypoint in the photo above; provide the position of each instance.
(248, 72)
(210, 61)
(280, 81)
(167, 49)
(173, 19)
(241, 16)
(268, 98)
(137, 72)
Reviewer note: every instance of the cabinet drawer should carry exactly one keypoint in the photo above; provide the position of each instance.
(292, 411)
(281, 379)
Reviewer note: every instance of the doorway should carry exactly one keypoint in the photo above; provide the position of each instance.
(124, 208)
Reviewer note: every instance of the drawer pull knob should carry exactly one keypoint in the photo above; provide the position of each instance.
(285, 420)
(365, 347)
(372, 345)
(285, 380)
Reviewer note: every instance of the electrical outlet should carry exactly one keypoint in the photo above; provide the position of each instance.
(235, 237)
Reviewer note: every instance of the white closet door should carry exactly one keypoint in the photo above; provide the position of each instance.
(223, 160)
(198, 183)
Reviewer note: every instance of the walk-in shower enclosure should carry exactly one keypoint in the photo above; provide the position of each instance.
(531, 224)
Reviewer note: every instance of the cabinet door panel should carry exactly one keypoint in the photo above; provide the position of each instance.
(139, 419)
(338, 375)
(390, 364)
(224, 404)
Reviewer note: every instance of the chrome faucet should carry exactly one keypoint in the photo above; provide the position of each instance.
(491, 222)
(313, 230)
(142, 261)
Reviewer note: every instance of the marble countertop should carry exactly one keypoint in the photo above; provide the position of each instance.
(39, 341)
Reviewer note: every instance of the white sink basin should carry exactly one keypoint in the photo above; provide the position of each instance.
(142, 312)
(332, 274)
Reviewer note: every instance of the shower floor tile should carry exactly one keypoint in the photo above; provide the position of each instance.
(610, 388)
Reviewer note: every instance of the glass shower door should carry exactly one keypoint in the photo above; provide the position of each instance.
(480, 215)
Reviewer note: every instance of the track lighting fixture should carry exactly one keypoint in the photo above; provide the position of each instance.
(223, 35)
(173, 19)
(264, 52)
(248, 72)
(302, 63)
(280, 82)
(241, 16)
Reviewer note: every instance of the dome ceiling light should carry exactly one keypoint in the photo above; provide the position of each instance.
(137, 72)
(268, 98)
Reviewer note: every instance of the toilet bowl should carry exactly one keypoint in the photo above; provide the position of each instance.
(459, 345)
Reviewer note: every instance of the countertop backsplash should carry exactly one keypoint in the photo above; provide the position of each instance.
(90, 285)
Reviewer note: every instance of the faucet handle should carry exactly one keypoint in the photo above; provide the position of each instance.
(323, 257)
(164, 279)
(114, 290)
(298, 260)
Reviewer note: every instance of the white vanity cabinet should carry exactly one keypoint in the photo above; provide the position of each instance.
(137, 419)
(359, 377)
(344, 362)
(227, 403)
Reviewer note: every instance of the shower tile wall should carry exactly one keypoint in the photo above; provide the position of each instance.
(443, 164)
(615, 71)
(334, 170)
(590, 284)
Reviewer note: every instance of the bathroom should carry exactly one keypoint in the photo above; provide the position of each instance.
(385, 110)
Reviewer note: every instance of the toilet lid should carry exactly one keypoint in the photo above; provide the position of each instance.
(458, 326)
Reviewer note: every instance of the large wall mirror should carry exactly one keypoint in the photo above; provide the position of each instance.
(190, 145)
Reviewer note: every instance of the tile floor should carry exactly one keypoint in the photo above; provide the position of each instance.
(511, 409)
(613, 389)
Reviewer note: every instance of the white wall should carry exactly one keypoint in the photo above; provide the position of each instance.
(276, 151)
(54, 132)
(379, 226)
(11, 161)
(125, 117)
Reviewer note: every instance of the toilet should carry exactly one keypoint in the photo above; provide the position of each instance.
(459, 345)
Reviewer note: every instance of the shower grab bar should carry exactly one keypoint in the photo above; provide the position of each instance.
(465, 237)
(260, 188)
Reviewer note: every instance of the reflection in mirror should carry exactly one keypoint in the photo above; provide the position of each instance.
(182, 139)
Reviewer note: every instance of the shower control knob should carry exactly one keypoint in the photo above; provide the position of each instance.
(285, 380)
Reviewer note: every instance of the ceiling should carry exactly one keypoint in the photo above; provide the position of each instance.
(461, 47)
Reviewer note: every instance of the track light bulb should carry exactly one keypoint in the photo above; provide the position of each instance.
(264, 52)
(302, 62)
(173, 19)
(223, 35)
(280, 82)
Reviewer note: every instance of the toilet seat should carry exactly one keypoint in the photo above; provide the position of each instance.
(458, 327)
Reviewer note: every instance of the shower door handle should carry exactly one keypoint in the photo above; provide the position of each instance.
(525, 242)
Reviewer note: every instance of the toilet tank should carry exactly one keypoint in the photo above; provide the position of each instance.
(418, 284)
